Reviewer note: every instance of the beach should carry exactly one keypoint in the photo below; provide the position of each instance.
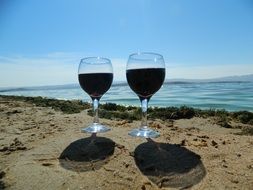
(43, 148)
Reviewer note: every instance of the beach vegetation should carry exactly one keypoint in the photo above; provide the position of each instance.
(130, 113)
(244, 117)
(66, 106)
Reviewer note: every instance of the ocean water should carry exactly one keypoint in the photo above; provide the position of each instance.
(232, 96)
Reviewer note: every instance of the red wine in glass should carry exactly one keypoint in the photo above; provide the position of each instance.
(95, 84)
(145, 75)
(95, 75)
(145, 82)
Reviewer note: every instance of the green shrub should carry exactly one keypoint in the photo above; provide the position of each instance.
(244, 116)
(66, 106)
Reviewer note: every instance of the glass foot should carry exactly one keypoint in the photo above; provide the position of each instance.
(95, 128)
(144, 132)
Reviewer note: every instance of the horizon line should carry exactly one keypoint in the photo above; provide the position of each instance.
(167, 80)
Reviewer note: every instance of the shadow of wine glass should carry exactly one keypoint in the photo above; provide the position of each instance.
(169, 165)
(87, 154)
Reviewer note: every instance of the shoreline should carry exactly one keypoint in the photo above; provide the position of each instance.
(41, 147)
(232, 97)
(226, 119)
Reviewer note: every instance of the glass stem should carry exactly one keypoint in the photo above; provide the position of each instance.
(95, 103)
(144, 109)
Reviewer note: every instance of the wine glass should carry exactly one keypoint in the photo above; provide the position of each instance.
(145, 74)
(95, 75)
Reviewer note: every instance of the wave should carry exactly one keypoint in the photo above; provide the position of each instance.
(37, 88)
(205, 82)
(116, 84)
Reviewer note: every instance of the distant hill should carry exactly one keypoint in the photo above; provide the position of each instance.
(229, 79)
(236, 78)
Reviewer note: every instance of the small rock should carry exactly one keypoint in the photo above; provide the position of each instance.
(126, 165)
(46, 164)
(183, 142)
(2, 174)
(215, 144)
(4, 148)
(143, 187)
(224, 142)
(120, 146)
(14, 112)
(21, 148)
(234, 181)
(129, 178)
(131, 154)
(238, 155)
(203, 136)
(17, 142)
(193, 129)
(229, 172)
(224, 166)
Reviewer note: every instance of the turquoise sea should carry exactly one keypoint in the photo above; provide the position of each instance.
(232, 96)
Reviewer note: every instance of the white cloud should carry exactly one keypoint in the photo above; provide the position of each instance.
(207, 71)
(61, 68)
(32, 71)
(51, 69)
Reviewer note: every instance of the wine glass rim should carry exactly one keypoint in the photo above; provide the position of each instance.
(135, 56)
(99, 60)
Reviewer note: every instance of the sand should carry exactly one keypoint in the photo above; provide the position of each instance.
(44, 149)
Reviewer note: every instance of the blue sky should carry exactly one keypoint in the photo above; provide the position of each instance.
(42, 41)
